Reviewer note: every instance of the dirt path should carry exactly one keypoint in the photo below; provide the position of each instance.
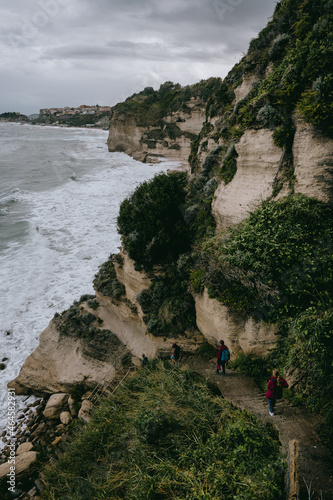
(315, 463)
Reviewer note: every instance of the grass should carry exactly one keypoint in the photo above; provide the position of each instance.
(165, 435)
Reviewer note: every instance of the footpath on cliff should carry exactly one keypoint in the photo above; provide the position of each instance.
(315, 473)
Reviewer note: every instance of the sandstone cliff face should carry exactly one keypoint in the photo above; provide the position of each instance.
(247, 336)
(58, 364)
(61, 362)
(133, 281)
(257, 166)
(246, 86)
(126, 136)
(313, 162)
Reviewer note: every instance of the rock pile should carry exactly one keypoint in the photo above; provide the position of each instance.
(41, 432)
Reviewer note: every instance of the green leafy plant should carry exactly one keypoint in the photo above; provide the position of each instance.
(151, 222)
(106, 281)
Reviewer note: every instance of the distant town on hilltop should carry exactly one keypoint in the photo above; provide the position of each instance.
(81, 116)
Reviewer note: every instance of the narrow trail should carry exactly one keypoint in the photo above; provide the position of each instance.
(292, 423)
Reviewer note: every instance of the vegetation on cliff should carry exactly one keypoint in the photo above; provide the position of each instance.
(292, 60)
(149, 107)
(13, 116)
(276, 265)
(165, 435)
(151, 222)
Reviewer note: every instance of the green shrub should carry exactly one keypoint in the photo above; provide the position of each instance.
(310, 354)
(151, 222)
(212, 160)
(275, 263)
(106, 281)
(316, 104)
(229, 165)
(279, 47)
(77, 322)
(267, 116)
(167, 306)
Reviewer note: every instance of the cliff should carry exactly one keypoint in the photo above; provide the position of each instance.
(160, 124)
(256, 141)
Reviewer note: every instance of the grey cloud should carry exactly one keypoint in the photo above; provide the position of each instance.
(127, 49)
(128, 43)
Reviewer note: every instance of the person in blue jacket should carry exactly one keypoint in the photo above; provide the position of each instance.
(223, 356)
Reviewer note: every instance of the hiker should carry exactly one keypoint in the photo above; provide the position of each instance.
(175, 353)
(223, 356)
(144, 360)
(274, 390)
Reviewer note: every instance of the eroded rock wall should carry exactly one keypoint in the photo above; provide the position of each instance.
(313, 162)
(126, 136)
(257, 166)
(253, 338)
(58, 364)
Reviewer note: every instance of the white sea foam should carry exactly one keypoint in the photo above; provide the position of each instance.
(71, 231)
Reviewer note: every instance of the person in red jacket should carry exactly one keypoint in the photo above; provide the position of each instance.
(274, 390)
(223, 356)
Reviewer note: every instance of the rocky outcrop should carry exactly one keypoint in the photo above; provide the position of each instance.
(58, 363)
(56, 405)
(248, 83)
(23, 465)
(149, 143)
(61, 361)
(258, 163)
(129, 328)
(313, 162)
(134, 281)
(253, 338)
(125, 135)
(85, 411)
(24, 448)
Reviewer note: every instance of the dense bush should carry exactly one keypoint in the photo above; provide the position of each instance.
(212, 160)
(150, 107)
(77, 322)
(106, 281)
(310, 357)
(151, 221)
(229, 165)
(167, 306)
(276, 262)
(165, 435)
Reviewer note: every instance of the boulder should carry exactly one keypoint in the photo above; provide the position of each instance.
(23, 464)
(56, 405)
(24, 448)
(65, 417)
(71, 404)
(86, 408)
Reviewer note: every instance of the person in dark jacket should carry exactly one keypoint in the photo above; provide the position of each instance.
(175, 353)
(274, 390)
(223, 356)
(144, 360)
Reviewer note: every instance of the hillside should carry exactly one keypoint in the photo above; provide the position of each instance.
(237, 247)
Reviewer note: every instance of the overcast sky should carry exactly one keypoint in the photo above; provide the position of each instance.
(57, 53)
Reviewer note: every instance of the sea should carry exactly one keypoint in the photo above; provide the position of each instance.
(60, 193)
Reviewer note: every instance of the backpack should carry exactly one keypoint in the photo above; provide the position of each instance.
(225, 355)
